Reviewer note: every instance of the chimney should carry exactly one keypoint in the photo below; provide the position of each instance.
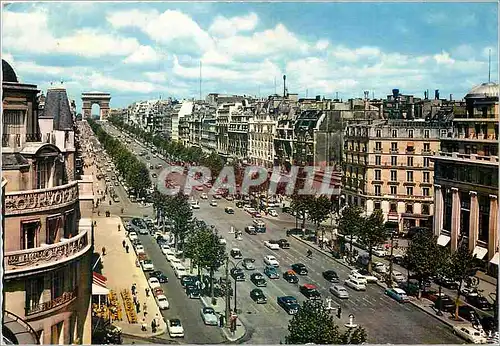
(284, 85)
(395, 93)
(436, 94)
(451, 97)
(426, 94)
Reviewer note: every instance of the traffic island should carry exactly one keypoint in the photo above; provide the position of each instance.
(240, 329)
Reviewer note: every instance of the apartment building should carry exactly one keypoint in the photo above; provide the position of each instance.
(47, 247)
(387, 166)
(237, 130)
(262, 130)
(180, 127)
(208, 132)
(466, 178)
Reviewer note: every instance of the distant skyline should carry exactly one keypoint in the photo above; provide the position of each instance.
(139, 51)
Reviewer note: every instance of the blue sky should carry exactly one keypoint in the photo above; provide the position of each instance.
(139, 51)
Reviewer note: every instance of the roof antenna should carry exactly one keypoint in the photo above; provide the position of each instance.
(200, 80)
(489, 66)
(275, 85)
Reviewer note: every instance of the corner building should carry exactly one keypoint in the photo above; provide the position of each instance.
(47, 247)
(466, 178)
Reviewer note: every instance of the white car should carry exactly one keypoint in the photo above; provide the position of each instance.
(204, 195)
(271, 260)
(169, 254)
(272, 246)
(162, 302)
(195, 205)
(380, 267)
(175, 261)
(165, 249)
(139, 249)
(147, 265)
(222, 241)
(273, 212)
(379, 252)
(339, 291)
(367, 276)
(357, 276)
(358, 285)
(180, 271)
(132, 235)
(398, 276)
(154, 283)
(213, 203)
(471, 334)
(175, 329)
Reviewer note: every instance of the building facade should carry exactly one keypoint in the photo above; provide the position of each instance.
(262, 130)
(466, 178)
(47, 248)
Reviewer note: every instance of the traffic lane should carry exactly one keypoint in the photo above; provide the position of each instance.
(187, 310)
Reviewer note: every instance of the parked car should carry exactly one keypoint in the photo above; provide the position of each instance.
(398, 276)
(446, 282)
(138, 225)
(271, 260)
(271, 272)
(139, 249)
(469, 313)
(159, 275)
(447, 304)
(208, 316)
(236, 253)
(299, 268)
(153, 283)
(229, 210)
(213, 203)
(162, 302)
(258, 296)
(331, 276)
(339, 291)
(248, 263)
(397, 294)
(204, 196)
(289, 304)
(273, 213)
(132, 236)
(479, 302)
(188, 280)
(380, 267)
(471, 334)
(410, 287)
(291, 277)
(310, 291)
(147, 265)
(193, 292)
(379, 252)
(238, 274)
(175, 329)
(258, 279)
(358, 285)
(179, 271)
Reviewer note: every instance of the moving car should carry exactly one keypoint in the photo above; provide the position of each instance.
(271, 272)
(159, 275)
(229, 210)
(154, 283)
(236, 253)
(271, 260)
(299, 268)
(250, 230)
(331, 276)
(162, 302)
(310, 291)
(397, 294)
(370, 278)
(357, 276)
(238, 274)
(199, 188)
(289, 304)
(469, 333)
(208, 316)
(175, 329)
(380, 267)
(213, 203)
(339, 291)
(195, 205)
(204, 196)
(273, 213)
(192, 292)
(258, 296)
(290, 277)
(258, 279)
(270, 245)
(283, 243)
(248, 264)
(356, 284)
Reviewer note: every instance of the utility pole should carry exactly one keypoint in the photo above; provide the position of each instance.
(200, 80)
(389, 279)
(228, 306)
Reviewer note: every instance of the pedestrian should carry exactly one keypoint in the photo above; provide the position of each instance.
(339, 312)
(147, 291)
(126, 248)
(138, 307)
(144, 326)
(124, 243)
(153, 326)
(119, 228)
(133, 289)
(135, 300)
(221, 321)
(103, 251)
(145, 308)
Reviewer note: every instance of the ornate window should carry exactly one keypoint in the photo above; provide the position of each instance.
(57, 283)
(29, 234)
(52, 226)
(43, 169)
(69, 224)
(34, 292)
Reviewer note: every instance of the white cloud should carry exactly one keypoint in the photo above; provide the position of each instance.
(8, 57)
(322, 44)
(29, 67)
(29, 32)
(444, 58)
(99, 81)
(144, 54)
(223, 26)
(157, 77)
(215, 58)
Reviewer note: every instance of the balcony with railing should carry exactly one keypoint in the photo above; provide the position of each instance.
(16, 262)
(44, 307)
(23, 202)
(492, 160)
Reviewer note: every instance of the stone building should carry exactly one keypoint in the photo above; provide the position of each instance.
(466, 178)
(262, 130)
(47, 247)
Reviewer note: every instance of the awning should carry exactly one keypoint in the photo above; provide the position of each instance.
(443, 240)
(479, 252)
(99, 290)
(495, 259)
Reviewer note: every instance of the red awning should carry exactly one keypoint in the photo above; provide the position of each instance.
(99, 279)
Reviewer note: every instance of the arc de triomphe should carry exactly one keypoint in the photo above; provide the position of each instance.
(93, 97)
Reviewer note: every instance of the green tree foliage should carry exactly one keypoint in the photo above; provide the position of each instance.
(319, 210)
(460, 268)
(214, 162)
(349, 223)
(372, 233)
(313, 323)
(135, 172)
(300, 205)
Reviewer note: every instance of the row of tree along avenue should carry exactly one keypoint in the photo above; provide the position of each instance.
(424, 259)
(134, 172)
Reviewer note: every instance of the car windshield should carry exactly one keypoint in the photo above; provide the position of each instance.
(208, 311)
(175, 323)
(290, 301)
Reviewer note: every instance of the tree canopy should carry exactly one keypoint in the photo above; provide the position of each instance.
(372, 233)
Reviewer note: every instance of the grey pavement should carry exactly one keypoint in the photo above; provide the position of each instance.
(385, 320)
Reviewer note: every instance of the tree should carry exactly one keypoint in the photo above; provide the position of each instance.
(349, 223)
(319, 210)
(372, 232)
(461, 267)
(214, 162)
(300, 205)
(180, 212)
(313, 323)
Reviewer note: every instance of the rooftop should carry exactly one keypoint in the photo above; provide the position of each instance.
(483, 90)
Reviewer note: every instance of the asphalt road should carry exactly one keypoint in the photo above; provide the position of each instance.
(385, 320)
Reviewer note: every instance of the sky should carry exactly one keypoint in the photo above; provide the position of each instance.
(141, 51)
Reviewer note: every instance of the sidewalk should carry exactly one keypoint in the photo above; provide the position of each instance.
(120, 270)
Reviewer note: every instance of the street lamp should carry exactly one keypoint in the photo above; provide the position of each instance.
(235, 266)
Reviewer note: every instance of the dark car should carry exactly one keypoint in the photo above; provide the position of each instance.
(291, 277)
(240, 204)
(331, 276)
(284, 244)
(251, 230)
(238, 274)
(310, 291)
(258, 280)
(258, 296)
(188, 280)
(447, 304)
(229, 210)
(159, 275)
(489, 323)
(295, 231)
(289, 304)
(469, 313)
(236, 253)
(192, 292)
(410, 287)
(479, 302)
(299, 268)
(445, 282)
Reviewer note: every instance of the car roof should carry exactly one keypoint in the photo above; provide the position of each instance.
(298, 264)
(289, 297)
(290, 272)
(235, 249)
(399, 290)
(248, 259)
(310, 286)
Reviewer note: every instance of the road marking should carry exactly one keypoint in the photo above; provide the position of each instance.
(369, 302)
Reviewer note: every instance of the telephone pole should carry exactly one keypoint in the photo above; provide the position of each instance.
(228, 303)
